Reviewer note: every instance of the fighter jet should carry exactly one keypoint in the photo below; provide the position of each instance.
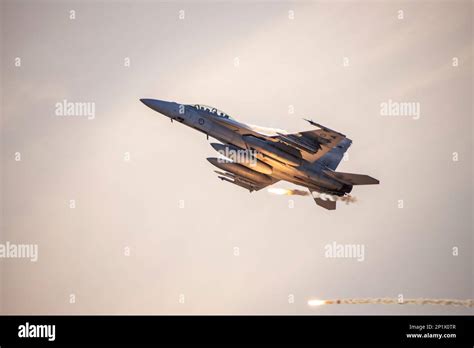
(254, 157)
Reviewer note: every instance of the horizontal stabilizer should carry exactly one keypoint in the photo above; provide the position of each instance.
(326, 204)
(351, 179)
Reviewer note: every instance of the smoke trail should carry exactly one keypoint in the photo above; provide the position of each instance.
(383, 300)
(324, 196)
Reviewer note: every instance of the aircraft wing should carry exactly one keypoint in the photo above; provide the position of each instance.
(312, 144)
(243, 182)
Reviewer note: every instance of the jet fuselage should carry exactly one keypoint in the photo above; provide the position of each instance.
(307, 158)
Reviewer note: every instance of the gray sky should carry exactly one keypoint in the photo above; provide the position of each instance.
(256, 63)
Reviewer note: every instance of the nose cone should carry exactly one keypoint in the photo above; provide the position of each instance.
(163, 107)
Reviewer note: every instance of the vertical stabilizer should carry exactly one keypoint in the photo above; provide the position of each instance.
(334, 156)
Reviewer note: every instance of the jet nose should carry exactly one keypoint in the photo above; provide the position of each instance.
(163, 107)
(147, 102)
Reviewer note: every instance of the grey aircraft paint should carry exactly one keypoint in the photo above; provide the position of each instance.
(259, 157)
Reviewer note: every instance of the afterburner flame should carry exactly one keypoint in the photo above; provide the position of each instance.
(279, 191)
(288, 192)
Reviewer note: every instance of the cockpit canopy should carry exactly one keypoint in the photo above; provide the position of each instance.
(211, 110)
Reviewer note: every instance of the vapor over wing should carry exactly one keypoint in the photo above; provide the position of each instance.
(314, 144)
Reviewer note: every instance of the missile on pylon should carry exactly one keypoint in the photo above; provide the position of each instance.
(240, 170)
(244, 157)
